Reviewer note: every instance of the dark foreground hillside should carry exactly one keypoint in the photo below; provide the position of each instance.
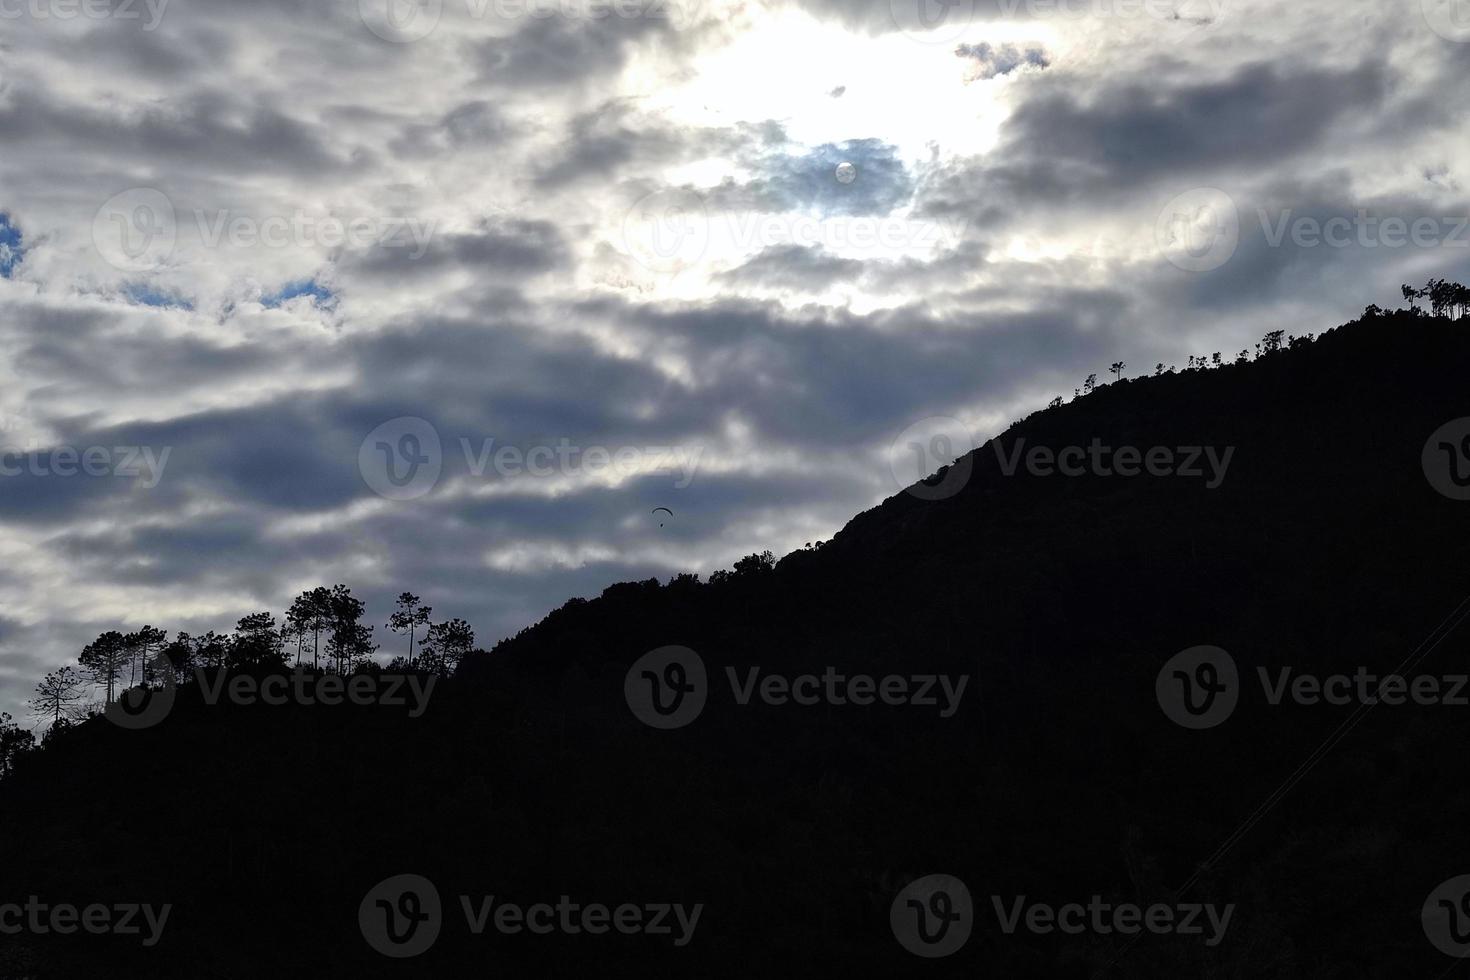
(1058, 775)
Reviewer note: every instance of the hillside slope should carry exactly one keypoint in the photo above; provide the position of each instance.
(1056, 776)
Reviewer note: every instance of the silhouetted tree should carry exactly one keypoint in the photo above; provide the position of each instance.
(293, 630)
(349, 640)
(140, 647)
(180, 655)
(58, 695)
(211, 650)
(447, 645)
(312, 613)
(1449, 299)
(14, 743)
(753, 565)
(103, 660)
(1117, 369)
(1089, 383)
(408, 618)
(256, 644)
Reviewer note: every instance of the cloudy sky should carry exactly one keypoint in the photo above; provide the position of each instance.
(448, 296)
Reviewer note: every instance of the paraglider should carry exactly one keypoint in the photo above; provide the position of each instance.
(666, 511)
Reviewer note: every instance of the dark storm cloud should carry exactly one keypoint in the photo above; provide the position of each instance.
(192, 130)
(149, 54)
(1259, 114)
(500, 247)
(600, 142)
(87, 352)
(1325, 238)
(611, 139)
(806, 382)
(1064, 146)
(471, 125)
(809, 268)
(556, 52)
(843, 379)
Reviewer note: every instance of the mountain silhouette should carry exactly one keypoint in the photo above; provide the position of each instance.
(585, 758)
